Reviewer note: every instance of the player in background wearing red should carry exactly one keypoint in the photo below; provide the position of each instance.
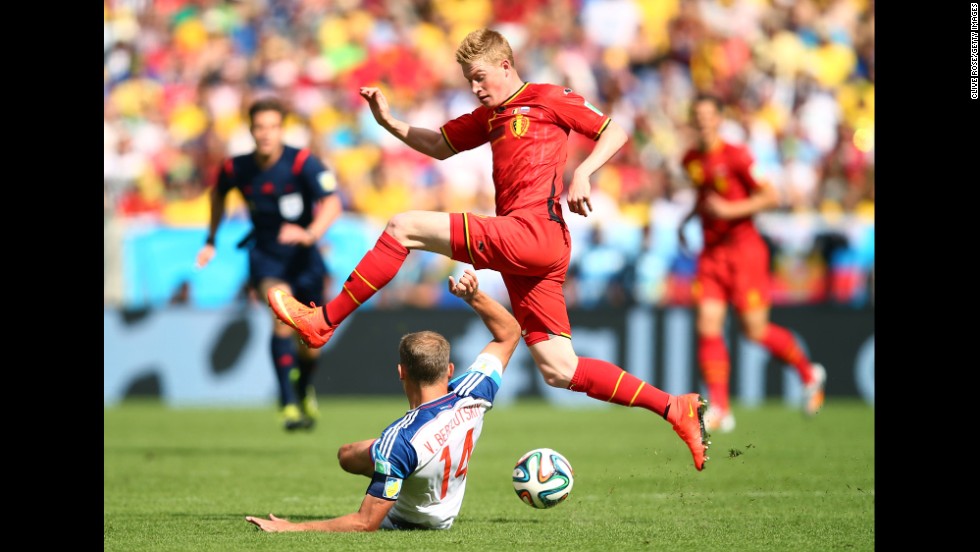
(527, 242)
(733, 266)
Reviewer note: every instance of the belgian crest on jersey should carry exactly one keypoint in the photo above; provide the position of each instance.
(721, 184)
(519, 125)
(696, 172)
(721, 178)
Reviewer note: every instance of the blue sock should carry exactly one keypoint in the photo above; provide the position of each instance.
(306, 368)
(284, 359)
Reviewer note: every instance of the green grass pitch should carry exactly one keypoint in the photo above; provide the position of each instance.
(184, 480)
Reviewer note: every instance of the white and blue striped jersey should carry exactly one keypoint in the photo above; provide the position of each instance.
(420, 461)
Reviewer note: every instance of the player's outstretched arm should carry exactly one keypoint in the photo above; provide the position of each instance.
(327, 211)
(423, 140)
(501, 323)
(763, 198)
(368, 518)
(206, 253)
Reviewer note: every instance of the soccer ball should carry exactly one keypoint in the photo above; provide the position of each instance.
(543, 478)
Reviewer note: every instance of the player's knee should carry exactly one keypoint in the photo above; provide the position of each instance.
(754, 332)
(556, 377)
(708, 335)
(710, 327)
(399, 226)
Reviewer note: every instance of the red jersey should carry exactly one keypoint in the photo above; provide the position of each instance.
(725, 171)
(529, 137)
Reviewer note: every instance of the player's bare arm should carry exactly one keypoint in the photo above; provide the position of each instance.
(368, 518)
(355, 457)
(764, 198)
(327, 211)
(325, 214)
(423, 140)
(580, 189)
(206, 253)
(501, 323)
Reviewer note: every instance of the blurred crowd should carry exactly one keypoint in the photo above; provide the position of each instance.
(797, 77)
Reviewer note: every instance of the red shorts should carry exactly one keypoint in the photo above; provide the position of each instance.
(531, 254)
(736, 273)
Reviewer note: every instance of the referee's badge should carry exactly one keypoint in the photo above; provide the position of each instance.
(291, 206)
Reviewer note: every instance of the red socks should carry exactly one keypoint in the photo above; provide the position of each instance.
(715, 364)
(716, 369)
(607, 382)
(782, 345)
(373, 272)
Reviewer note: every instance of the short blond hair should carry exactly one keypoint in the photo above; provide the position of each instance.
(424, 356)
(484, 45)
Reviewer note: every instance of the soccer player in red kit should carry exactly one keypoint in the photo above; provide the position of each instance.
(527, 242)
(733, 266)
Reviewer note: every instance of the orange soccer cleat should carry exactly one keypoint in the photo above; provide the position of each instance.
(687, 416)
(308, 321)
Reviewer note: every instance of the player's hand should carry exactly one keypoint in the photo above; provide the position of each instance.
(578, 195)
(204, 256)
(378, 103)
(271, 525)
(718, 207)
(294, 234)
(466, 287)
